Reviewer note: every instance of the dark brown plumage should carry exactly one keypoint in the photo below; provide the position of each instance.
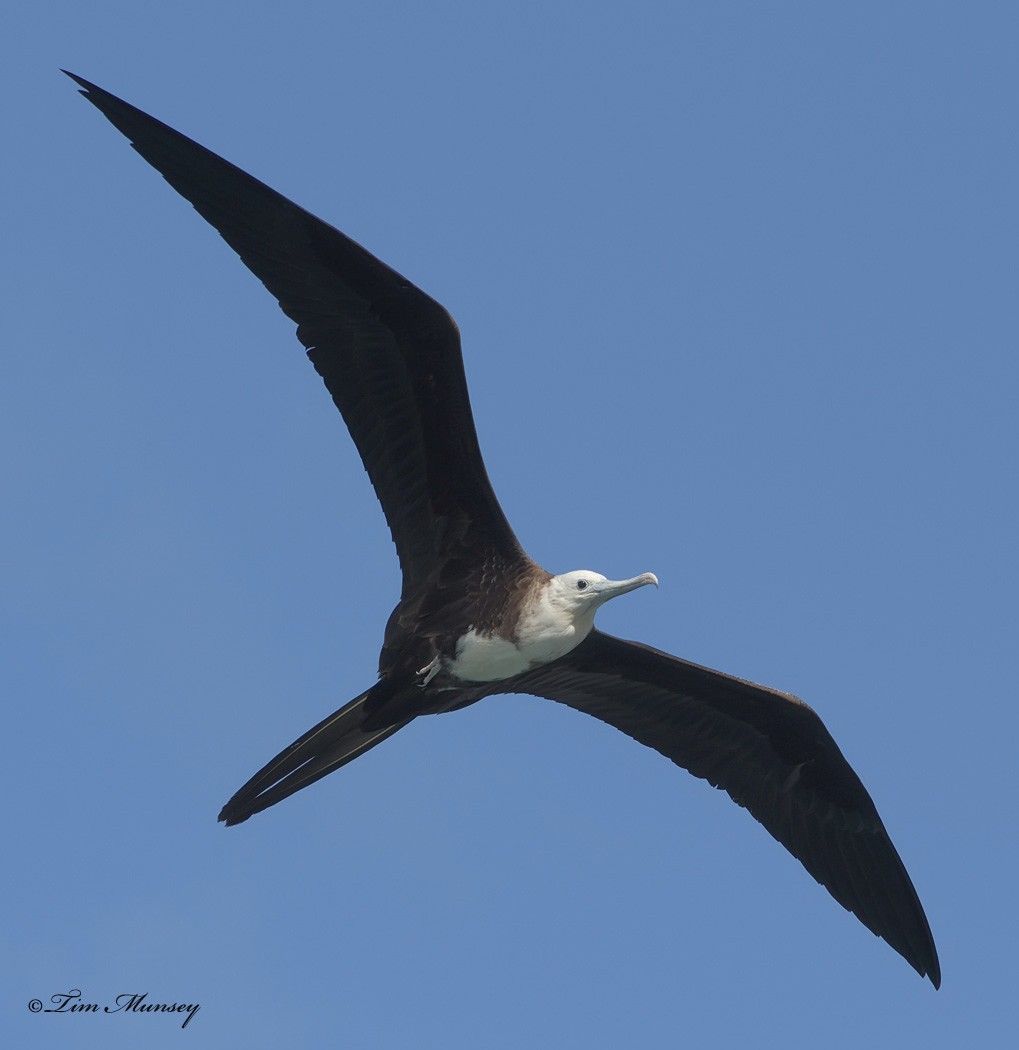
(390, 358)
(770, 752)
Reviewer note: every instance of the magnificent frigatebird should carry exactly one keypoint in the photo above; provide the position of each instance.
(476, 616)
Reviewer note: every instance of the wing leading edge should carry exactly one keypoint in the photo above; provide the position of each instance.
(388, 353)
(771, 753)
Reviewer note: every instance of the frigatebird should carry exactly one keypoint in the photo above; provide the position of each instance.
(476, 615)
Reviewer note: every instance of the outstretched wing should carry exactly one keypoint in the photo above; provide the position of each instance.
(771, 753)
(389, 354)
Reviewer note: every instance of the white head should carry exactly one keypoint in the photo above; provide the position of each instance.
(582, 592)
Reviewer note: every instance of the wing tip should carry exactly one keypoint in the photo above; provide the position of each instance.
(930, 970)
(86, 86)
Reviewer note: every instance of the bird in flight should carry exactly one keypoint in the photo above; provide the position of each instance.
(476, 615)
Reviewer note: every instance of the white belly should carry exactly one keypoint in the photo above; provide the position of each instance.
(539, 641)
(480, 659)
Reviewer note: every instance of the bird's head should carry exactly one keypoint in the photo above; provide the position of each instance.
(581, 592)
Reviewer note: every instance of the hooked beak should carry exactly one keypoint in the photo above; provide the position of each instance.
(613, 588)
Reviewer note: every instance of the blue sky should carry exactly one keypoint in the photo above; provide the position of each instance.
(736, 284)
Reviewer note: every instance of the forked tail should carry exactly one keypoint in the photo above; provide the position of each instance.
(334, 742)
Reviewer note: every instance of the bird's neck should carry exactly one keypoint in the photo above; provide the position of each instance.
(545, 629)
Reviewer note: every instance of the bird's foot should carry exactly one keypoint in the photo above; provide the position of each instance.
(428, 672)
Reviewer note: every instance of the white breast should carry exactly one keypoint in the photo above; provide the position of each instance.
(481, 659)
(545, 632)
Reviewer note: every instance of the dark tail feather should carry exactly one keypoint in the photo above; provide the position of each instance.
(334, 742)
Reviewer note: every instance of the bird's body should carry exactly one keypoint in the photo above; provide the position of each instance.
(551, 620)
(476, 616)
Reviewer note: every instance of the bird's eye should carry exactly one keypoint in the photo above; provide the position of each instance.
(581, 584)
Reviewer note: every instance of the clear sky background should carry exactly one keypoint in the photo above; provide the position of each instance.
(737, 288)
